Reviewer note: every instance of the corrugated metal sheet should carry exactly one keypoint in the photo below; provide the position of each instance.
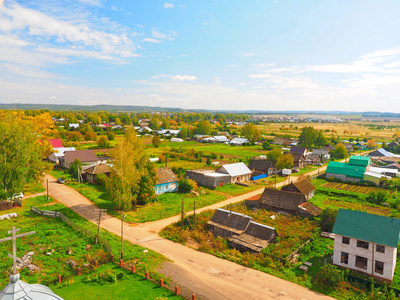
(236, 169)
(345, 169)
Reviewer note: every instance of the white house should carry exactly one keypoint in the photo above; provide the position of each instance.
(238, 172)
(59, 153)
(239, 141)
(366, 243)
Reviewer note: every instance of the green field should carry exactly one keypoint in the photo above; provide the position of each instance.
(52, 240)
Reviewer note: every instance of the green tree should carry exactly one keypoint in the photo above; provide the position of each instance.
(133, 176)
(307, 137)
(251, 132)
(103, 142)
(274, 155)
(286, 161)
(327, 219)
(156, 141)
(204, 127)
(208, 161)
(266, 145)
(154, 123)
(183, 133)
(118, 121)
(320, 139)
(340, 151)
(21, 153)
(111, 136)
(75, 169)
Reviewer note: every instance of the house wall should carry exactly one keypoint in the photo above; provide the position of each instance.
(209, 181)
(240, 178)
(166, 187)
(388, 258)
(342, 177)
(278, 210)
(222, 232)
(374, 180)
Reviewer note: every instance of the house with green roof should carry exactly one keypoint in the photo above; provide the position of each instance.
(366, 243)
(352, 171)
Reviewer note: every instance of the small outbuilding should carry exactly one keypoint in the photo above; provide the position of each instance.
(303, 186)
(167, 181)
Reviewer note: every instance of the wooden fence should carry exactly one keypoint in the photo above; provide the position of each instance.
(65, 219)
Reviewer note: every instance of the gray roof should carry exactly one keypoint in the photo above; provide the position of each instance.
(20, 290)
(166, 175)
(239, 141)
(260, 164)
(231, 219)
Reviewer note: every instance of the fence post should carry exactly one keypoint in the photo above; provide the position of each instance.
(112, 257)
(147, 275)
(177, 290)
(97, 263)
(133, 269)
(193, 297)
(121, 263)
(161, 282)
(59, 278)
(79, 271)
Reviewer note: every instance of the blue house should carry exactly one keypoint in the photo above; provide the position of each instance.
(167, 181)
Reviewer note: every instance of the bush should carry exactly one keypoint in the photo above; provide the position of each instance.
(101, 179)
(111, 136)
(328, 218)
(266, 145)
(377, 197)
(329, 277)
(186, 186)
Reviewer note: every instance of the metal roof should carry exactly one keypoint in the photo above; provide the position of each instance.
(20, 290)
(236, 169)
(345, 169)
(239, 141)
(61, 150)
(368, 227)
(359, 160)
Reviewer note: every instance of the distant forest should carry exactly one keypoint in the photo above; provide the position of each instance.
(134, 108)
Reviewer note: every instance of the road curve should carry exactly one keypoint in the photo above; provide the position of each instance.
(205, 275)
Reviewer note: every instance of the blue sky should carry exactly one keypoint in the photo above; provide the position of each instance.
(242, 55)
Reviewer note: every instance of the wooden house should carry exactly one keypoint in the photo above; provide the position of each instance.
(303, 186)
(260, 166)
(281, 201)
(299, 160)
(91, 172)
(166, 182)
(298, 150)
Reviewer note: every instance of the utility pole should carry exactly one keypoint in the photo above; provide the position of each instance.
(122, 233)
(100, 211)
(182, 214)
(194, 213)
(47, 181)
(275, 178)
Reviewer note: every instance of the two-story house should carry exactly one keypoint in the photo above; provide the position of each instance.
(366, 243)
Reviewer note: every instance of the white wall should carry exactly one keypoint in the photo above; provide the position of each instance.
(388, 258)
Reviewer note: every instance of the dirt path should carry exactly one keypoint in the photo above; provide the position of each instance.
(205, 275)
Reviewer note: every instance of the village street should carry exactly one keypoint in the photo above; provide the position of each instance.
(205, 275)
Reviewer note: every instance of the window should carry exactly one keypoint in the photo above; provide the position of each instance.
(380, 248)
(346, 240)
(344, 258)
(362, 244)
(379, 267)
(361, 262)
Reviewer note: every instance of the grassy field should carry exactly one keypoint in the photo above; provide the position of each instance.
(130, 286)
(52, 240)
(167, 205)
(234, 189)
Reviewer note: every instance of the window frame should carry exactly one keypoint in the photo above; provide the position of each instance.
(344, 258)
(380, 270)
(363, 244)
(360, 260)
(345, 238)
(381, 248)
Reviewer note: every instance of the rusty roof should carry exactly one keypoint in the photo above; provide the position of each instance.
(310, 208)
(82, 155)
(166, 175)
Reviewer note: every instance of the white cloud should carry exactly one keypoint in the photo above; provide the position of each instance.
(246, 54)
(176, 77)
(150, 40)
(92, 2)
(168, 5)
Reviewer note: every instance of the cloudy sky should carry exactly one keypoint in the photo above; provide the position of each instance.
(243, 55)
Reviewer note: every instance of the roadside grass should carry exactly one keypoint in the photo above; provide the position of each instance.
(305, 170)
(32, 188)
(235, 189)
(164, 206)
(130, 286)
(55, 237)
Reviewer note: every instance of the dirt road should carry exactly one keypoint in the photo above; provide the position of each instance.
(205, 275)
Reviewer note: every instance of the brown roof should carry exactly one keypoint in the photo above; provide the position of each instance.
(313, 156)
(82, 155)
(280, 199)
(309, 208)
(165, 175)
(98, 169)
(260, 164)
(230, 219)
(304, 186)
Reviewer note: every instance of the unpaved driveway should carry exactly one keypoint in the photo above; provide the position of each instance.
(205, 275)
